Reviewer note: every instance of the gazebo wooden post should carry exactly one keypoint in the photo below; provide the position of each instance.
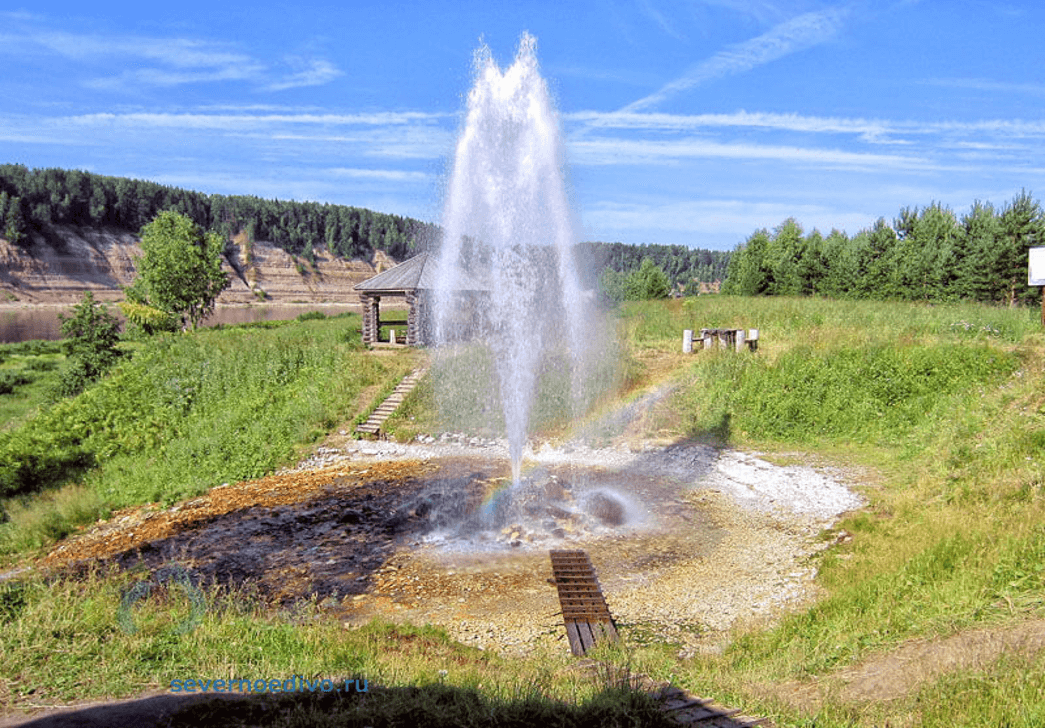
(411, 318)
(371, 318)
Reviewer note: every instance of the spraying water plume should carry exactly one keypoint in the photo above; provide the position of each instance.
(508, 225)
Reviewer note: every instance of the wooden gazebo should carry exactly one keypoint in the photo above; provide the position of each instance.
(413, 280)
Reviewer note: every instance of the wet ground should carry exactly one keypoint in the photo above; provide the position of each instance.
(439, 540)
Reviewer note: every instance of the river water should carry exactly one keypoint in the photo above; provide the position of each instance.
(22, 323)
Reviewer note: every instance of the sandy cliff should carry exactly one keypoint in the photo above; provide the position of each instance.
(101, 261)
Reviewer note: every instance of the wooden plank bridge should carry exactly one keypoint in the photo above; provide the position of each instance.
(588, 621)
(584, 609)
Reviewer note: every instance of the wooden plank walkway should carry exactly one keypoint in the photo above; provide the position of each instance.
(688, 709)
(377, 418)
(588, 620)
(584, 611)
(682, 706)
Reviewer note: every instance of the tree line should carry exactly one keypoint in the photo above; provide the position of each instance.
(31, 200)
(684, 267)
(927, 254)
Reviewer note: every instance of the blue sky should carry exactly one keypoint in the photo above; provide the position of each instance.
(686, 122)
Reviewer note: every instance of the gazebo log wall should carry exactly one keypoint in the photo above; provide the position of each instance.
(371, 318)
(415, 319)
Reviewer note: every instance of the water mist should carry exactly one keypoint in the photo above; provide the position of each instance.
(508, 230)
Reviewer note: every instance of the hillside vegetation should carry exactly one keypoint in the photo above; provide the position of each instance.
(935, 411)
(33, 201)
(181, 414)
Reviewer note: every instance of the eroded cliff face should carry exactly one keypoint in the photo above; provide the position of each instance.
(102, 261)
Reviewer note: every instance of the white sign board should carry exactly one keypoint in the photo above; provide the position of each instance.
(1036, 266)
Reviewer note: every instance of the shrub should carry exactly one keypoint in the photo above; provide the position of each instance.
(312, 316)
(10, 380)
(92, 333)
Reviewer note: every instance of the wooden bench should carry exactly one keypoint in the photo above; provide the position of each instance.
(723, 338)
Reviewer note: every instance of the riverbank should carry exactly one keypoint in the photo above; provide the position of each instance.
(27, 321)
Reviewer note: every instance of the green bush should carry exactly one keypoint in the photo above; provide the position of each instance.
(9, 381)
(191, 411)
(40, 365)
(91, 337)
(312, 316)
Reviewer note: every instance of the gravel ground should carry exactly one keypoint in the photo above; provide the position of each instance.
(720, 538)
(688, 541)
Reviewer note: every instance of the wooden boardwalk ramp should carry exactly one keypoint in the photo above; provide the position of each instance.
(377, 418)
(588, 620)
(584, 610)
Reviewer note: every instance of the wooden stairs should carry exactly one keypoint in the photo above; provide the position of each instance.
(377, 418)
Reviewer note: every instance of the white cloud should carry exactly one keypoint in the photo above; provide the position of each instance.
(705, 220)
(236, 122)
(658, 18)
(641, 151)
(870, 129)
(799, 33)
(383, 175)
(163, 62)
(314, 73)
(985, 84)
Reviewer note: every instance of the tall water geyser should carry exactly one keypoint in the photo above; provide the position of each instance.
(508, 232)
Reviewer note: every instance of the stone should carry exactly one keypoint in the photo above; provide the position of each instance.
(607, 509)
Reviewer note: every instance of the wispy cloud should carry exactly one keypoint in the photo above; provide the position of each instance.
(248, 121)
(311, 73)
(872, 131)
(799, 33)
(384, 175)
(390, 135)
(168, 77)
(991, 86)
(867, 128)
(605, 219)
(644, 151)
(650, 11)
(158, 61)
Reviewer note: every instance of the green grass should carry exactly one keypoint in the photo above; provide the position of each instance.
(183, 414)
(62, 640)
(944, 406)
(28, 375)
(945, 403)
(783, 322)
(393, 319)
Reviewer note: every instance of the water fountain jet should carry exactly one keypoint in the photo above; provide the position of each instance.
(507, 222)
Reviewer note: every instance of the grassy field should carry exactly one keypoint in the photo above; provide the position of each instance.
(940, 408)
(181, 414)
(28, 372)
(946, 405)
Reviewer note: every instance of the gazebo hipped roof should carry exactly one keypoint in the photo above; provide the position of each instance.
(418, 273)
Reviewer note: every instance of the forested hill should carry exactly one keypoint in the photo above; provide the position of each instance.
(34, 200)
